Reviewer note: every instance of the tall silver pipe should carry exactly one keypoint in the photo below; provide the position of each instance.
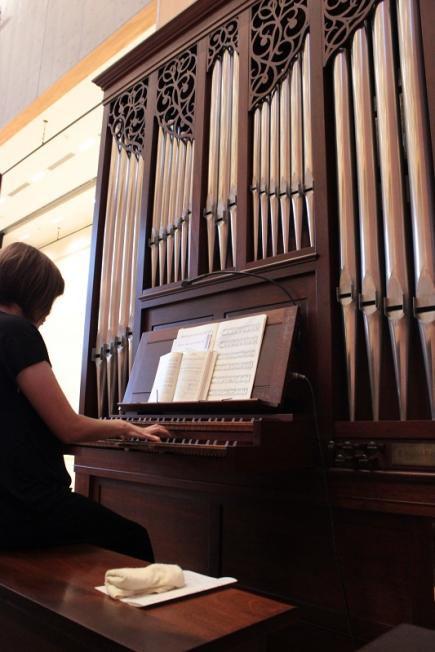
(232, 199)
(213, 160)
(274, 170)
(347, 227)
(134, 270)
(371, 285)
(308, 144)
(187, 205)
(255, 187)
(264, 174)
(397, 286)
(296, 150)
(157, 210)
(420, 181)
(284, 160)
(103, 312)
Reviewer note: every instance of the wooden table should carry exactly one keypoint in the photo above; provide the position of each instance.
(48, 603)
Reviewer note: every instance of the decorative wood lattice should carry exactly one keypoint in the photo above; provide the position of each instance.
(127, 117)
(341, 18)
(226, 37)
(277, 31)
(176, 94)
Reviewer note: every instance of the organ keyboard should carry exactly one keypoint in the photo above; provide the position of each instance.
(207, 436)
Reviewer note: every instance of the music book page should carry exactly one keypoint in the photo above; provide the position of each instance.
(166, 378)
(183, 376)
(196, 338)
(194, 375)
(238, 344)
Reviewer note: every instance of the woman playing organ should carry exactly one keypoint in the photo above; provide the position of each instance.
(37, 507)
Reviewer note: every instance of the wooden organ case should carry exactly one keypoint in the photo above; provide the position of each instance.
(257, 156)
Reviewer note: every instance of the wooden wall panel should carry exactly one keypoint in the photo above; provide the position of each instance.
(179, 523)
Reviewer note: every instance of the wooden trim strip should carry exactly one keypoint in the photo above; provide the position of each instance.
(140, 22)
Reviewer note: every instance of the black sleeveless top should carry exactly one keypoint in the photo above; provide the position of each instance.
(33, 476)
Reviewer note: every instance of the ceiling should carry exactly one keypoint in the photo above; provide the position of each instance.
(50, 166)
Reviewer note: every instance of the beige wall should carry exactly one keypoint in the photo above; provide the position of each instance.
(167, 9)
(63, 329)
(40, 40)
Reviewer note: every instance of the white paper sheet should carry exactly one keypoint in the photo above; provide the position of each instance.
(195, 583)
(238, 345)
(195, 338)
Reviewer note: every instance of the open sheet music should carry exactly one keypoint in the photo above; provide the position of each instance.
(238, 344)
(211, 362)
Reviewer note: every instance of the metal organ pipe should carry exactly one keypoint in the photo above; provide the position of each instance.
(346, 210)
(232, 199)
(134, 257)
(264, 174)
(213, 160)
(274, 170)
(255, 187)
(187, 205)
(297, 150)
(307, 135)
(397, 288)
(420, 182)
(371, 288)
(158, 191)
(284, 160)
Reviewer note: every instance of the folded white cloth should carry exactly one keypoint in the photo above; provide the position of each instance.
(155, 578)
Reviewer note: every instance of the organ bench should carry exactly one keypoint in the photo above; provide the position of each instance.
(48, 603)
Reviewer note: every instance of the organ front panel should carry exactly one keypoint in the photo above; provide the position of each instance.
(258, 156)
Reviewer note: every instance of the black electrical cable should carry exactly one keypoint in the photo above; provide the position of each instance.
(236, 272)
(324, 476)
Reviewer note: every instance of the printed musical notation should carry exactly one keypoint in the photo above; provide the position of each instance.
(211, 362)
(238, 345)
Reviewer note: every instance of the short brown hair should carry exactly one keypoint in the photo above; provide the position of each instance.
(29, 279)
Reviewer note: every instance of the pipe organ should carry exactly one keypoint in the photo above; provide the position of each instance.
(255, 151)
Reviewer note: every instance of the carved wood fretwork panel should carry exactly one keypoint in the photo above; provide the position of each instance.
(226, 37)
(341, 18)
(127, 117)
(176, 94)
(277, 32)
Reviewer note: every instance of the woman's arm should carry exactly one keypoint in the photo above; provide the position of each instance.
(39, 385)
